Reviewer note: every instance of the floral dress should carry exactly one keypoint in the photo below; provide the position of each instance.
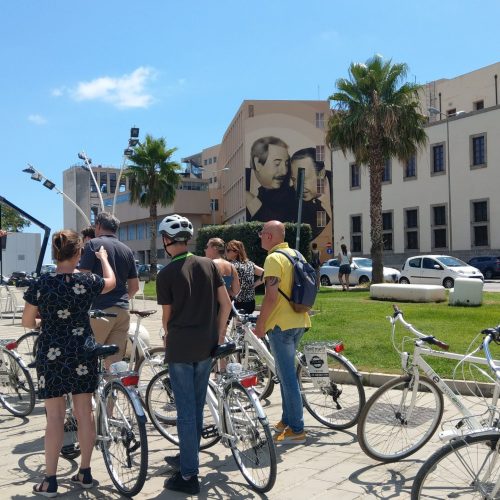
(63, 301)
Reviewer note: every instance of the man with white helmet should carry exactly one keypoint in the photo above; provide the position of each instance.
(195, 307)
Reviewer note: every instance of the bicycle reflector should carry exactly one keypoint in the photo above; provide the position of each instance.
(249, 381)
(11, 346)
(130, 380)
(339, 347)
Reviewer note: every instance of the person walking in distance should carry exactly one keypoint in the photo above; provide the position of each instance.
(63, 300)
(195, 307)
(345, 261)
(121, 258)
(316, 261)
(285, 328)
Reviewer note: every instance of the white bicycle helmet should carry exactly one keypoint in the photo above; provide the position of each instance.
(176, 227)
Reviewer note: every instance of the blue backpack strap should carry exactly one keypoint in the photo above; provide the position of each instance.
(290, 258)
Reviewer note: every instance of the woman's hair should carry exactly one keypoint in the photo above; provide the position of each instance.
(241, 253)
(344, 249)
(66, 244)
(218, 244)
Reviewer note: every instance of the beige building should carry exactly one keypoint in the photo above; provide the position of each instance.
(445, 200)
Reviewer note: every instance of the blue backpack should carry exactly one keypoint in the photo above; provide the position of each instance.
(304, 287)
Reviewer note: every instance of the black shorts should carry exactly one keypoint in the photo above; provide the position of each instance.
(345, 269)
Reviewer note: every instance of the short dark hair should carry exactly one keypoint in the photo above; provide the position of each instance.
(88, 232)
(308, 153)
(107, 221)
(260, 149)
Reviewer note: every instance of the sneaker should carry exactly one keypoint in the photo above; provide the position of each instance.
(279, 427)
(290, 437)
(174, 462)
(189, 486)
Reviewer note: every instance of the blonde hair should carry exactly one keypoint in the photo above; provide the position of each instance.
(66, 244)
(217, 243)
(240, 250)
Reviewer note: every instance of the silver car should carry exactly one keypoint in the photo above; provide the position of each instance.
(361, 272)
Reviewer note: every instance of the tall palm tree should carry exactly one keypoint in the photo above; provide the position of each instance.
(153, 180)
(376, 116)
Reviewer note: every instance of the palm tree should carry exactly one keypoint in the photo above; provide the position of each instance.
(376, 118)
(153, 180)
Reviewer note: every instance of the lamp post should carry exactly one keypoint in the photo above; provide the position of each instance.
(127, 153)
(435, 111)
(38, 176)
(82, 155)
(301, 173)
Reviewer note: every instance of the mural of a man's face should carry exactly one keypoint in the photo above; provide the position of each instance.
(273, 172)
(310, 177)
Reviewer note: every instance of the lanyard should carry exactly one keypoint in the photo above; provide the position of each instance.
(183, 256)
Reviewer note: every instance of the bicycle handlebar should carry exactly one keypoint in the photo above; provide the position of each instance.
(492, 334)
(97, 313)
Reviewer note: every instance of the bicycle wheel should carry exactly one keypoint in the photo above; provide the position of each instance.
(399, 418)
(124, 445)
(249, 437)
(160, 405)
(466, 467)
(26, 348)
(338, 404)
(148, 366)
(17, 393)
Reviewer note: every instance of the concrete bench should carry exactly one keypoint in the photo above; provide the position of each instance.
(408, 293)
(466, 292)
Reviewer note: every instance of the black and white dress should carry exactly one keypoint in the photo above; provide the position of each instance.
(63, 301)
(245, 300)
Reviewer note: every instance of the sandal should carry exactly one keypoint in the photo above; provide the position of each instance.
(86, 481)
(51, 490)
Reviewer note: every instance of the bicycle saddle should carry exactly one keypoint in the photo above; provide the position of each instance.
(223, 350)
(100, 350)
(143, 314)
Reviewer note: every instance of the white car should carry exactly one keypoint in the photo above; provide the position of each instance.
(437, 270)
(361, 272)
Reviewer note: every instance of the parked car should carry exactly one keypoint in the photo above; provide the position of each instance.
(361, 272)
(437, 270)
(144, 273)
(489, 265)
(20, 279)
(48, 268)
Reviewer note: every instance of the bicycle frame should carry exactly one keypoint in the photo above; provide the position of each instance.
(138, 345)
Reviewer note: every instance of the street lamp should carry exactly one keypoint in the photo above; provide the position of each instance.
(435, 111)
(38, 176)
(127, 153)
(87, 166)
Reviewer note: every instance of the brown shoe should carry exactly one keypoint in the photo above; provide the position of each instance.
(290, 437)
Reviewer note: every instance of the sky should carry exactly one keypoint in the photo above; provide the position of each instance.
(77, 75)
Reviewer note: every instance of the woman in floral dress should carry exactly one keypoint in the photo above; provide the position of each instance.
(63, 299)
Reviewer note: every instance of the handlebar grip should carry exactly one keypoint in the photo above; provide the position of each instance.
(442, 345)
(397, 310)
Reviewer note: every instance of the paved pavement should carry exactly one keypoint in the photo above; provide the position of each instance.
(331, 465)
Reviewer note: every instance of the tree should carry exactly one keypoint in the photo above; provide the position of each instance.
(11, 220)
(153, 180)
(376, 116)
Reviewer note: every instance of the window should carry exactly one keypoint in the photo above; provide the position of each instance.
(93, 188)
(103, 182)
(122, 234)
(411, 168)
(21, 257)
(480, 223)
(320, 153)
(320, 185)
(204, 162)
(437, 159)
(478, 105)
(387, 230)
(140, 231)
(123, 185)
(429, 263)
(93, 214)
(131, 232)
(250, 111)
(356, 234)
(355, 177)
(210, 161)
(214, 205)
(411, 229)
(415, 262)
(112, 182)
(387, 172)
(215, 159)
(478, 150)
(439, 226)
(321, 218)
(320, 120)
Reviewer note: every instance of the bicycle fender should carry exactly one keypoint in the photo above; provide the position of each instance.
(257, 405)
(347, 362)
(19, 359)
(136, 401)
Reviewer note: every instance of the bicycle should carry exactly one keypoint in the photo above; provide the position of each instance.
(468, 466)
(237, 415)
(403, 414)
(17, 392)
(26, 346)
(335, 401)
(120, 422)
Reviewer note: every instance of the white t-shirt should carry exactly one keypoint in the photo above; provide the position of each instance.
(345, 259)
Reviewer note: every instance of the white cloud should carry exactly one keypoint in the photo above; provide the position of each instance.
(127, 91)
(37, 119)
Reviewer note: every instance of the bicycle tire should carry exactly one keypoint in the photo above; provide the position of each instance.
(385, 431)
(27, 345)
(160, 406)
(148, 368)
(17, 392)
(338, 405)
(71, 446)
(454, 470)
(250, 438)
(125, 448)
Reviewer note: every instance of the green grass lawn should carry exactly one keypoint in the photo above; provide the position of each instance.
(362, 325)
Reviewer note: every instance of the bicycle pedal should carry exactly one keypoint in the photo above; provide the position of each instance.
(275, 379)
(209, 431)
